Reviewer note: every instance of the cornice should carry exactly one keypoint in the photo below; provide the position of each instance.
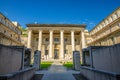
(56, 25)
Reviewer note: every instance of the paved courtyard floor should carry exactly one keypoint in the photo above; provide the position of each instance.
(57, 72)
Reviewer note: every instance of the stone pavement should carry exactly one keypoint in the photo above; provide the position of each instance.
(57, 72)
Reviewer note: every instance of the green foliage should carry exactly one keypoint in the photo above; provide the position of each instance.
(45, 65)
(24, 31)
(25, 35)
(69, 65)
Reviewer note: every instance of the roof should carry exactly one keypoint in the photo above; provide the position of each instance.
(56, 25)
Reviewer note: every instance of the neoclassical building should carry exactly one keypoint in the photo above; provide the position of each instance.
(9, 31)
(56, 41)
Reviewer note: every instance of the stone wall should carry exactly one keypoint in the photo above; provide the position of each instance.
(76, 60)
(11, 60)
(107, 58)
(93, 74)
(104, 62)
(37, 59)
(26, 74)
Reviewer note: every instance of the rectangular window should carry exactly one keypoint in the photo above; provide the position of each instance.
(66, 39)
(46, 52)
(56, 39)
(66, 51)
(36, 39)
(46, 39)
(116, 15)
(75, 40)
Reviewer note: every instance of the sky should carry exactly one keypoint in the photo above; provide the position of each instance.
(89, 12)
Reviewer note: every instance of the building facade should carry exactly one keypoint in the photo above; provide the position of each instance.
(107, 32)
(56, 41)
(9, 32)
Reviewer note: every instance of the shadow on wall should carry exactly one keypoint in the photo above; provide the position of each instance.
(101, 62)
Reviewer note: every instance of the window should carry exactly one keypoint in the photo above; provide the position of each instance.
(66, 39)
(6, 23)
(112, 18)
(11, 35)
(103, 24)
(56, 40)
(4, 31)
(66, 51)
(46, 52)
(100, 26)
(46, 39)
(116, 15)
(36, 39)
(106, 21)
(75, 40)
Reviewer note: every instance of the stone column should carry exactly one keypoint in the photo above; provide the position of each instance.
(40, 40)
(29, 38)
(72, 41)
(83, 39)
(61, 44)
(51, 44)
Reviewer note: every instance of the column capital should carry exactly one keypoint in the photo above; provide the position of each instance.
(30, 30)
(72, 31)
(40, 30)
(82, 30)
(61, 30)
(50, 30)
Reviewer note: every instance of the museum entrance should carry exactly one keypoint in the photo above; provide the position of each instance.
(56, 53)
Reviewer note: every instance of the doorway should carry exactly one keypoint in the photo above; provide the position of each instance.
(56, 53)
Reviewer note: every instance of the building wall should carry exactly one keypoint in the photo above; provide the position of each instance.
(10, 60)
(107, 58)
(9, 33)
(107, 32)
(104, 62)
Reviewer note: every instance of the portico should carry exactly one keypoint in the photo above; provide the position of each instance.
(56, 41)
